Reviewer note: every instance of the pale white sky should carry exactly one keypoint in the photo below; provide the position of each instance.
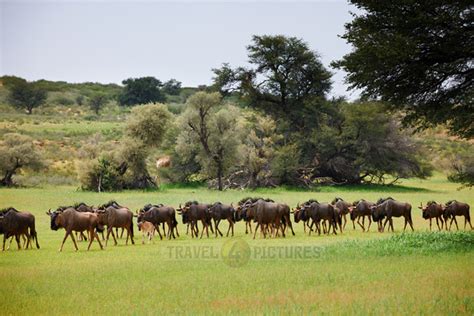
(108, 41)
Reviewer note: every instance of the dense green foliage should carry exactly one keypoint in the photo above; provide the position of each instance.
(16, 153)
(322, 140)
(97, 102)
(27, 95)
(111, 168)
(417, 56)
(209, 129)
(141, 91)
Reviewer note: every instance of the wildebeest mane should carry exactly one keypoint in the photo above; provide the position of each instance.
(4, 211)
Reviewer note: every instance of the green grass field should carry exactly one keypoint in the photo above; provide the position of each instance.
(351, 273)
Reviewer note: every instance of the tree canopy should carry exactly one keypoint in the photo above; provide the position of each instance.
(141, 91)
(417, 56)
(288, 79)
(26, 95)
(209, 129)
(16, 153)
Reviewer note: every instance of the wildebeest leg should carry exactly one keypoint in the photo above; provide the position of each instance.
(128, 234)
(406, 222)
(384, 224)
(437, 223)
(430, 223)
(353, 224)
(175, 226)
(361, 225)
(64, 240)
(17, 238)
(391, 224)
(74, 241)
(207, 228)
(216, 223)
(290, 225)
(455, 222)
(255, 231)
(231, 224)
(98, 240)
(164, 230)
(109, 230)
(115, 239)
(370, 223)
(203, 221)
(157, 226)
(121, 234)
(91, 238)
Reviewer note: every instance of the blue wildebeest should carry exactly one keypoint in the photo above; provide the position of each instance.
(453, 209)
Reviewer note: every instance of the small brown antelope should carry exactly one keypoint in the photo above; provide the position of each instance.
(147, 229)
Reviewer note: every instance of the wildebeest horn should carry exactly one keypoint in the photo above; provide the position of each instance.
(421, 206)
(298, 205)
(48, 212)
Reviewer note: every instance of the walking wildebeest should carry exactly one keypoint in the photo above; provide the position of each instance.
(390, 208)
(15, 223)
(114, 204)
(343, 207)
(267, 215)
(193, 212)
(242, 214)
(320, 212)
(432, 210)
(148, 230)
(74, 221)
(361, 209)
(116, 218)
(218, 212)
(159, 215)
(453, 209)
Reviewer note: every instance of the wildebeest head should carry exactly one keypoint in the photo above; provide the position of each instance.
(424, 210)
(55, 219)
(377, 212)
(336, 199)
(184, 211)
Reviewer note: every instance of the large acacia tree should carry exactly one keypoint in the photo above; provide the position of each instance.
(418, 56)
(26, 95)
(287, 80)
(209, 131)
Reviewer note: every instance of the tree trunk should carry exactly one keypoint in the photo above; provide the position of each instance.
(8, 178)
(219, 175)
(29, 110)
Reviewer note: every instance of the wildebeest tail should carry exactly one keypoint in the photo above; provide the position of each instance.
(131, 228)
(34, 235)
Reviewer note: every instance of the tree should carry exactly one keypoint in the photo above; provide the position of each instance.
(80, 99)
(148, 123)
(209, 128)
(97, 102)
(125, 167)
(288, 80)
(17, 152)
(141, 91)
(463, 170)
(417, 56)
(172, 87)
(364, 144)
(27, 95)
(259, 149)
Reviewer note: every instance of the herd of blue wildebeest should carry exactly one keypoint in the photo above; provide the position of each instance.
(272, 218)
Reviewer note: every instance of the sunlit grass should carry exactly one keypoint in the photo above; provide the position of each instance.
(356, 273)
